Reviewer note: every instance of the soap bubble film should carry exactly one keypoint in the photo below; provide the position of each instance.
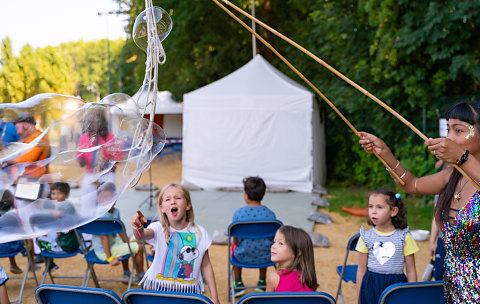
(163, 23)
(101, 148)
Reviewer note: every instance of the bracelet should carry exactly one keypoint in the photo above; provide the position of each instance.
(463, 158)
(396, 166)
(110, 259)
(404, 173)
(137, 228)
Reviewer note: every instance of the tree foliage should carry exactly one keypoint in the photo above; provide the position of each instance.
(416, 56)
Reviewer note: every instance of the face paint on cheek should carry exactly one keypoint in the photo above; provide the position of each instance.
(471, 131)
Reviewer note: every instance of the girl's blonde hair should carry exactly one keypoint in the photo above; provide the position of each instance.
(163, 217)
(301, 244)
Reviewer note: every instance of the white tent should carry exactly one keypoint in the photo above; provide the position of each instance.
(168, 112)
(255, 121)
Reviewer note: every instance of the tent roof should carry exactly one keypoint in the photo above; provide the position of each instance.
(250, 80)
(165, 103)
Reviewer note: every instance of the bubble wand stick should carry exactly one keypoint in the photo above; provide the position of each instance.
(310, 84)
(343, 77)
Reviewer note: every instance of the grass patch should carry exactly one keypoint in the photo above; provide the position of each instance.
(419, 207)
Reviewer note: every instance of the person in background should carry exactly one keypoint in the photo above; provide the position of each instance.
(111, 247)
(8, 132)
(292, 250)
(252, 251)
(3, 289)
(386, 249)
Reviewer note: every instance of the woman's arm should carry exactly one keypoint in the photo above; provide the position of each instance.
(410, 267)
(429, 184)
(272, 281)
(433, 237)
(209, 276)
(362, 268)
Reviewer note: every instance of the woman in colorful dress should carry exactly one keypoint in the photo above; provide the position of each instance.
(458, 209)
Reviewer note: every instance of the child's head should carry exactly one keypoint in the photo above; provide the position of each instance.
(106, 192)
(7, 201)
(254, 187)
(175, 204)
(385, 205)
(59, 191)
(292, 249)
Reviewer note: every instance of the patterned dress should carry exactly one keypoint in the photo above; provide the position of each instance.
(462, 259)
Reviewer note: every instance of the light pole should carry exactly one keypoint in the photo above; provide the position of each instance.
(108, 50)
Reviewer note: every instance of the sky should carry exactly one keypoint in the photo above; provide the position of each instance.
(51, 22)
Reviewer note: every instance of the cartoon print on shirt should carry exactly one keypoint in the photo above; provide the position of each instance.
(186, 257)
(180, 258)
(383, 251)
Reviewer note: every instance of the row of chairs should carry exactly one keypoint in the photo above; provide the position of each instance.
(59, 294)
(100, 226)
(414, 293)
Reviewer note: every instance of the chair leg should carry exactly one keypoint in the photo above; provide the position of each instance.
(94, 277)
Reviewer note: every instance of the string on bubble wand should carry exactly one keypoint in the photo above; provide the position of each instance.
(310, 84)
(343, 77)
(146, 36)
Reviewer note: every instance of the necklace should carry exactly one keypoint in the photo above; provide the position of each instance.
(457, 195)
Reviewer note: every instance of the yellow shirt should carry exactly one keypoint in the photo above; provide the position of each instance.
(409, 248)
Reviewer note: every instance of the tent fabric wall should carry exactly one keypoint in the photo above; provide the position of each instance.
(255, 121)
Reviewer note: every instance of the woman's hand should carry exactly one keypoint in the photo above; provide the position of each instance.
(445, 149)
(371, 143)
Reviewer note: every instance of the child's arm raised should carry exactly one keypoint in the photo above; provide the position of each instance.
(362, 268)
(272, 281)
(209, 276)
(411, 269)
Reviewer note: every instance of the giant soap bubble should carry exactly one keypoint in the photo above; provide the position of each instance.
(101, 147)
(163, 24)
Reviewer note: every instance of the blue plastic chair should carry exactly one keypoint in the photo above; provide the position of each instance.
(347, 273)
(25, 275)
(141, 296)
(287, 298)
(414, 293)
(102, 226)
(61, 294)
(258, 229)
(39, 220)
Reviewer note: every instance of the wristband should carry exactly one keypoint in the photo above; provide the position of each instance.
(463, 158)
(110, 259)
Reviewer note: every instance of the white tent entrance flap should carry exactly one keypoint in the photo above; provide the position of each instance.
(255, 121)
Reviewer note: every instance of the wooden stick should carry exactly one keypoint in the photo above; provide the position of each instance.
(346, 79)
(309, 83)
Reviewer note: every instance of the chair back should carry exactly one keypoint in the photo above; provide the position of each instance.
(346, 272)
(60, 294)
(103, 226)
(254, 229)
(287, 298)
(141, 296)
(414, 293)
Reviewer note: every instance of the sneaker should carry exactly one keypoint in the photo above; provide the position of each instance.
(239, 289)
(126, 277)
(38, 259)
(261, 286)
(15, 269)
(52, 267)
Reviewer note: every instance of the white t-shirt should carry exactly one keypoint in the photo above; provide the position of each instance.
(176, 266)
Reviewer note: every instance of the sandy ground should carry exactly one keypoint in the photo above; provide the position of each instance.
(168, 170)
